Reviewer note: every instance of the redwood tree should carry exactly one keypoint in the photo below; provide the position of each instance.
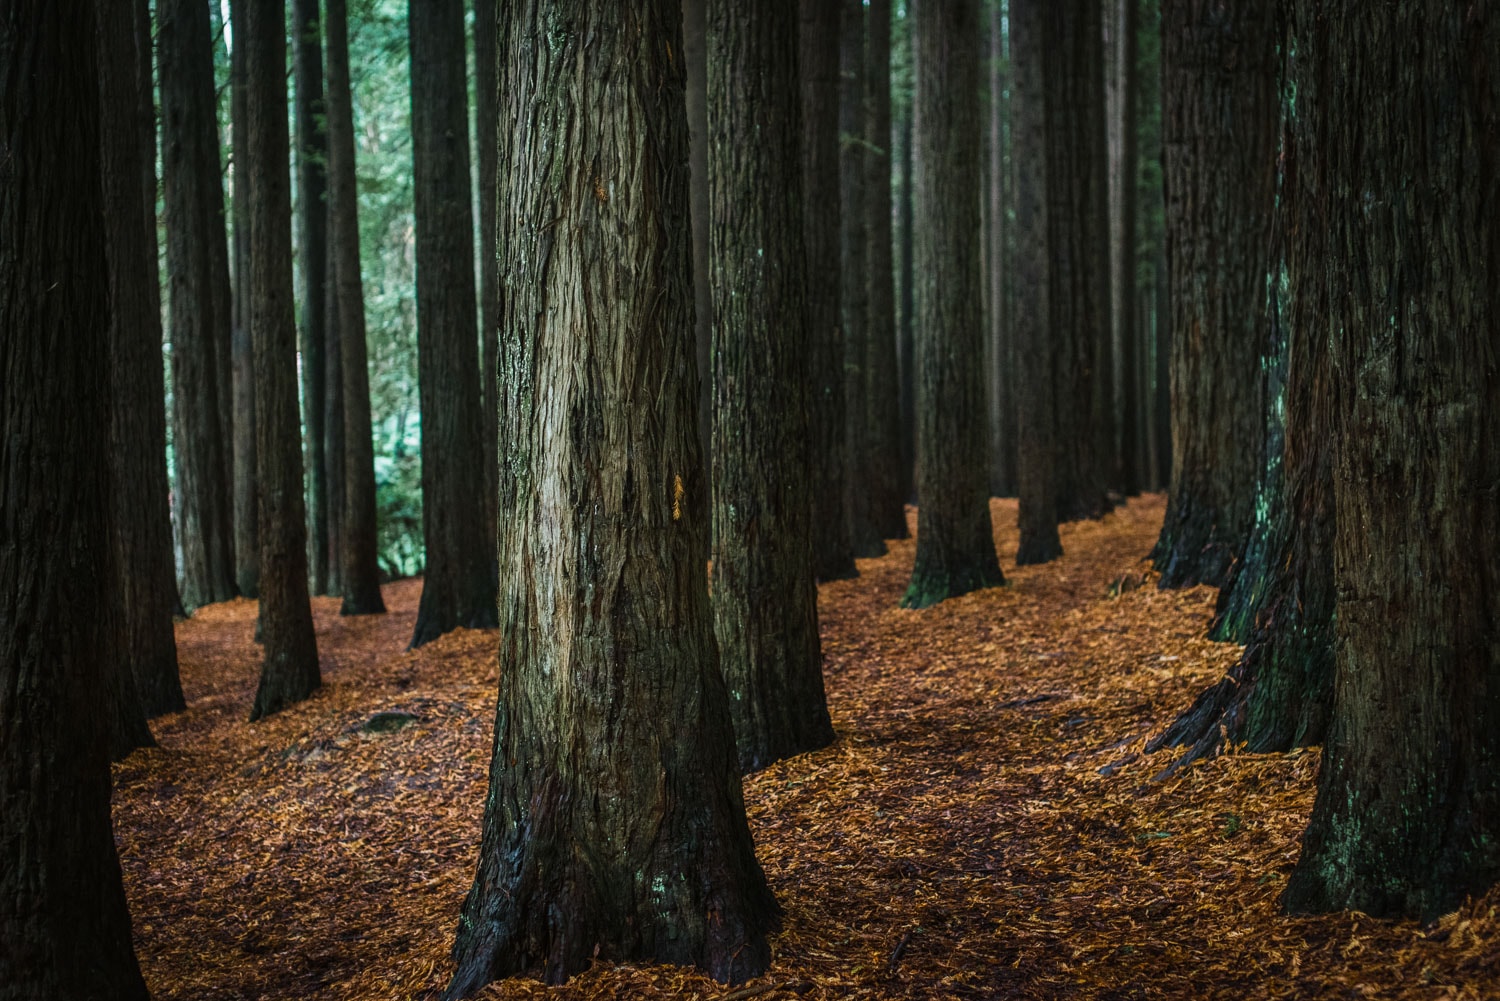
(289, 672)
(246, 486)
(955, 542)
(458, 587)
(1407, 817)
(614, 826)
(63, 915)
(765, 600)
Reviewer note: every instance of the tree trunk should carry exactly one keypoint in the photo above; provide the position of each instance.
(246, 488)
(854, 279)
(486, 121)
(194, 206)
(360, 569)
(289, 672)
(906, 345)
(1162, 356)
(458, 588)
(1219, 130)
(63, 914)
(1126, 333)
(333, 412)
(147, 586)
(1002, 403)
(312, 264)
(1036, 450)
(1408, 172)
(765, 601)
(614, 826)
(695, 53)
(882, 392)
(833, 554)
(955, 541)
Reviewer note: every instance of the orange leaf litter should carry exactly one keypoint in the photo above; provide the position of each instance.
(985, 826)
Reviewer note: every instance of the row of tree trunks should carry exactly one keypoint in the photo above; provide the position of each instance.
(63, 916)
(614, 825)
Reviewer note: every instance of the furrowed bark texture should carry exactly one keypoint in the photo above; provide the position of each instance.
(695, 53)
(1407, 817)
(765, 601)
(147, 585)
(458, 588)
(312, 266)
(486, 84)
(194, 206)
(63, 916)
(614, 824)
(854, 281)
(833, 553)
(361, 571)
(289, 672)
(246, 486)
(1219, 120)
(1036, 452)
(882, 395)
(955, 543)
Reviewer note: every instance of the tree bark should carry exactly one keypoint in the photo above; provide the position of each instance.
(486, 86)
(194, 207)
(695, 52)
(906, 345)
(614, 825)
(1002, 411)
(1408, 172)
(312, 267)
(333, 411)
(1161, 429)
(1219, 129)
(1036, 450)
(63, 914)
(458, 589)
(833, 553)
(289, 672)
(765, 601)
(955, 540)
(246, 484)
(882, 392)
(1127, 335)
(360, 568)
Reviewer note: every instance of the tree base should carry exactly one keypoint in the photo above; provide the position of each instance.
(1038, 549)
(927, 588)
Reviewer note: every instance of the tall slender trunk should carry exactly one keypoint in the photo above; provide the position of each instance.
(1162, 356)
(486, 84)
(818, 62)
(1002, 403)
(246, 484)
(906, 346)
(63, 914)
(1126, 333)
(357, 558)
(602, 838)
(200, 335)
(289, 672)
(458, 588)
(955, 540)
(333, 413)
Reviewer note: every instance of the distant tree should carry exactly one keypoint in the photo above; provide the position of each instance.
(194, 206)
(486, 83)
(955, 541)
(1408, 106)
(289, 672)
(906, 345)
(1000, 348)
(458, 588)
(63, 915)
(360, 571)
(1126, 328)
(333, 410)
(246, 484)
(1036, 448)
(818, 68)
(614, 826)
(765, 600)
(1220, 115)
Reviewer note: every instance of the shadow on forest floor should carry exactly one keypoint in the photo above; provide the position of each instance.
(985, 825)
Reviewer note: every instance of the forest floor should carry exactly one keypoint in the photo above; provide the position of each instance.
(985, 826)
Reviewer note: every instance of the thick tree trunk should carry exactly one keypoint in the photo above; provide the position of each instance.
(614, 826)
(854, 279)
(1127, 335)
(955, 542)
(360, 570)
(194, 207)
(458, 588)
(486, 121)
(906, 344)
(1036, 450)
(1408, 803)
(765, 601)
(147, 586)
(1219, 128)
(246, 484)
(289, 672)
(833, 555)
(63, 916)
(695, 53)
(882, 392)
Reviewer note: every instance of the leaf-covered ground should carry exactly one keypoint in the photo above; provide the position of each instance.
(985, 826)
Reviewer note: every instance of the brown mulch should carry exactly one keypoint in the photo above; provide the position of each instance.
(986, 824)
